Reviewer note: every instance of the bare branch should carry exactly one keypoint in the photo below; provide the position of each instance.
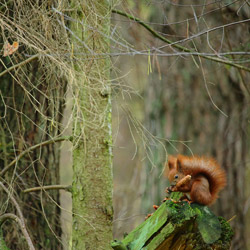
(50, 187)
(19, 64)
(11, 216)
(20, 220)
(63, 138)
(177, 46)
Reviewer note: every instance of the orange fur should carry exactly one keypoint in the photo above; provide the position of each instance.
(207, 177)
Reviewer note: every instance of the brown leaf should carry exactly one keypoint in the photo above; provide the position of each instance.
(9, 49)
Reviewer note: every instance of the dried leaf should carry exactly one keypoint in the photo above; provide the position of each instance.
(9, 49)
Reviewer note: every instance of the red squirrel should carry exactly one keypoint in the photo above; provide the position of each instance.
(199, 177)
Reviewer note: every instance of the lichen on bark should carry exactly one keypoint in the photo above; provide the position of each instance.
(92, 155)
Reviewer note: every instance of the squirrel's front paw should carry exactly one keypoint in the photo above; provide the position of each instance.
(171, 189)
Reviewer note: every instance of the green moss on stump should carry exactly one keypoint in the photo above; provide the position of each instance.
(178, 225)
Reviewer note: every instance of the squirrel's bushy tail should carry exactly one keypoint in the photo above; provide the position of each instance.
(207, 167)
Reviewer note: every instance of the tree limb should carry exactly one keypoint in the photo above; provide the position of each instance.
(20, 220)
(63, 138)
(177, 46)
(11, 216)
(19, 64)
(50, 187)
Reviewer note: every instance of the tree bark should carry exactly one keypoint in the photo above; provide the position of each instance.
(92, 154)
(31, 110)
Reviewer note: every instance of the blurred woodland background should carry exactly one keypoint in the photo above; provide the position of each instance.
(180, 80)
(172, 103)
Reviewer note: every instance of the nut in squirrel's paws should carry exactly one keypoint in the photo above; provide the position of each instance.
(183, 181)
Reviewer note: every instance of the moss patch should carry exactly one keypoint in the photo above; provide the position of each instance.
(179, 225)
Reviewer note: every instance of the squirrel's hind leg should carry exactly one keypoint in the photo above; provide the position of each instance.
(200, 192)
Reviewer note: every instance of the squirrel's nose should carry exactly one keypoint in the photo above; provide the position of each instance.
(173, 183)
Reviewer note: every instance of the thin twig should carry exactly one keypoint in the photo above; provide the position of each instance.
(177, 46)
(19, 64)
(19, 219)
(11, 216)
(63, 138)
(50, 187)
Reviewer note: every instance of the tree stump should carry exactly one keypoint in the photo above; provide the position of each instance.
(179, 225)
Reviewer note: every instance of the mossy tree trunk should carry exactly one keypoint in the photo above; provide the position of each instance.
(31, 107)
(92, 154)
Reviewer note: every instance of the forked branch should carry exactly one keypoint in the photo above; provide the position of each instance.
(177, 46)
(18, 219)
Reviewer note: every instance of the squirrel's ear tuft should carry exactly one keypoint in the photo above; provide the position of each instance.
(171, 161)
(179, 165)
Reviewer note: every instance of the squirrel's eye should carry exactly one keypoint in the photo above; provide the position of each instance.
(176, 176)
